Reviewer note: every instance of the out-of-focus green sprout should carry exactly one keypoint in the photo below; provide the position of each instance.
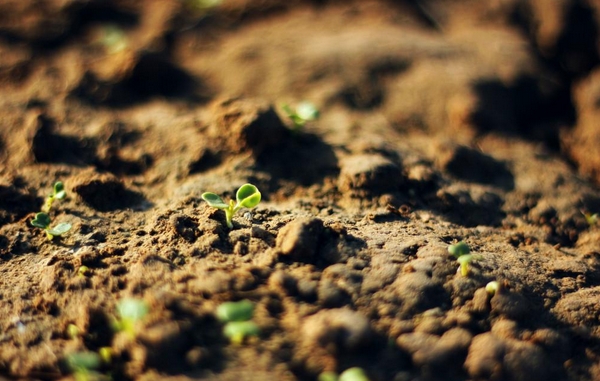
(458, 249)
(58, 193)
(84, 366)
(131, 311)
(238, 331)
(492, 288)
(305, 112)
(235, 311)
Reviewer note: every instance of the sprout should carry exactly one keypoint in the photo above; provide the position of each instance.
(83, 271)
(354, 374)
(42, 221)
(591, 219)
(464, 261)
(203, 5)
(247, 196)
(305, 112)
(235, 311)
(113, 38)
(58, 193)
(459, 249)
(83, 365)
(328, 376)
(105, 354)
(492, 287)
(131, 311)
(73, 331)
(237, 331)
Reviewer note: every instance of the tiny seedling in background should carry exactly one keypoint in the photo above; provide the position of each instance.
(247, 196)
(131, 312)
(235, 311)
(83, 271)
(73, 331)
(328, 376)
(459, 249)
(354, 374)
(305, 112)
(591, 219)
(105, 354)
(43, 221)
(492, 288)
(351, 374)
(113, 38)
(203, 5)
(58, 193)
(237, 316)
(238, 331)
(465, 262)
(84, 366)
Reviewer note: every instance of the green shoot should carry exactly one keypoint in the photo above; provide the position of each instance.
(235, 311)
(328, 376)
(237, 331)
(73, 331)
(465, 261)
(113, 38)
(42, 221)
(591, 219)
(247, 196)
(131, 312)
(459, 249)
(83, 271)
(58, 193)
(492, 287)
(354, 374)
(304, 113)
(84, 366)
(203, 5)
(105, 354)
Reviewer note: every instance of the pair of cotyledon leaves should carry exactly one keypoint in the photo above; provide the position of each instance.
(247, 196)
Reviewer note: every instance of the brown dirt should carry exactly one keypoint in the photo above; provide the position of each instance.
(440, 121)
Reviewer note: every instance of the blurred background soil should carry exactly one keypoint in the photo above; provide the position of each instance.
(441, 120)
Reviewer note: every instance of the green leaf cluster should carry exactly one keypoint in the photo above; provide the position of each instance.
(247, 196)
(305, 112)
(236, 316)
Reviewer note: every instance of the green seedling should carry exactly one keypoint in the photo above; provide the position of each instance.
(238, 331)
(354, 374)
(235, 311)
(58, 193)
(131, 312)
(328, 376)
(247, 196)
(492, 288)
(84, 366)
(305, 112)
(113, 39)
(203, 5)
(83, 271)
(105, 354)
(465, 261)
(459, 249)
(42, 221)
(591, 219)
(73, 331)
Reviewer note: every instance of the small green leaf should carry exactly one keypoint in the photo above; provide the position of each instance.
(59, 190)
(60, 229)
(237, 331)
(459, 249)
(248, 196)
(354, 374)
(132, 309)
(465, 259)
(235, 311)
(328, 376)
(307, 111)
(41, 220)
(83, 360)
(214, 200)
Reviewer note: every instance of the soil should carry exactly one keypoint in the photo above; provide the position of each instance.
(440, 121)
